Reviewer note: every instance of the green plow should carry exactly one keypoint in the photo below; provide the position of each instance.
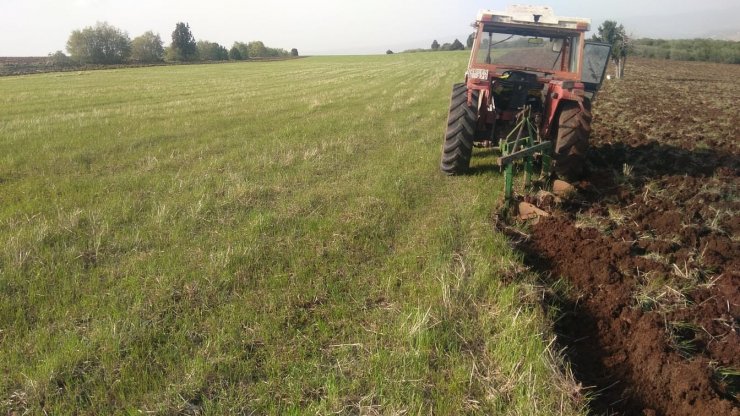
(521, 145)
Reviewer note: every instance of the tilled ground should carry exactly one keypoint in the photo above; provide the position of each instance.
(650, 245)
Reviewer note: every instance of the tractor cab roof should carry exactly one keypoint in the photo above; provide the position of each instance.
(531, 20)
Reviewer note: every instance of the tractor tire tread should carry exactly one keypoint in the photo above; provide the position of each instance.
(571, 144)
(457, 149)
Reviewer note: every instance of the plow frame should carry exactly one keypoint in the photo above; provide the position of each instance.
(523, 143)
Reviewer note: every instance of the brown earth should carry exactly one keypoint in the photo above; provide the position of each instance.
(23, 65)
(650, 245)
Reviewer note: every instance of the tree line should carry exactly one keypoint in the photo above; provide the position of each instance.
(436, 47)
(623, 45)
(109, 45)
(705, 50)
(711, 50)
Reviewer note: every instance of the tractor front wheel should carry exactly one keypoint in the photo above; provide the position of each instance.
(461, 126)
(571, 145)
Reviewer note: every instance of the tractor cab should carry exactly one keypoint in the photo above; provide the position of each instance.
(532, 39)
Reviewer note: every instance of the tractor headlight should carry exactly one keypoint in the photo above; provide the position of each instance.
(481, 74)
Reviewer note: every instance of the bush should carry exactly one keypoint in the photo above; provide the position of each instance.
(59, 59)
(257, 49)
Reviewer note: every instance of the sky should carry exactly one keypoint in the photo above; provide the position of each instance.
(317, 27)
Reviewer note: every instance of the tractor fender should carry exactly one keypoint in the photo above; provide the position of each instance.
(557, 93)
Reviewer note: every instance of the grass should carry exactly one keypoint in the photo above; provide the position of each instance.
(267, 238)
(682, 336)
(730, 378)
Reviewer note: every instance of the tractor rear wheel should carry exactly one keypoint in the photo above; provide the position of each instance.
(461, 126)
(571, 145)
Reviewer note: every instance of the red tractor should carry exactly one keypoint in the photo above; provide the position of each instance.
(527, 91)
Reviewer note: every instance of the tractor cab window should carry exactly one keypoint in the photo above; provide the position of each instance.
(531, 52)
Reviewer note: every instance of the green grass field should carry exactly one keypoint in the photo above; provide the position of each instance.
(258, 238)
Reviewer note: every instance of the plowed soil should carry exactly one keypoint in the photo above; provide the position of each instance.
(650, 248)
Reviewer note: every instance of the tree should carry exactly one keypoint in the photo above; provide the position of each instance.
(99, 44)
(389, 52)
(276, 52)
(435, 45)
(257, 49)
(147, 48)
(234, 54)
(243, 49)
(610, 32)
(294, 52)
(457, 46)
(183, 47)
(471, 40)
(211, 51)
